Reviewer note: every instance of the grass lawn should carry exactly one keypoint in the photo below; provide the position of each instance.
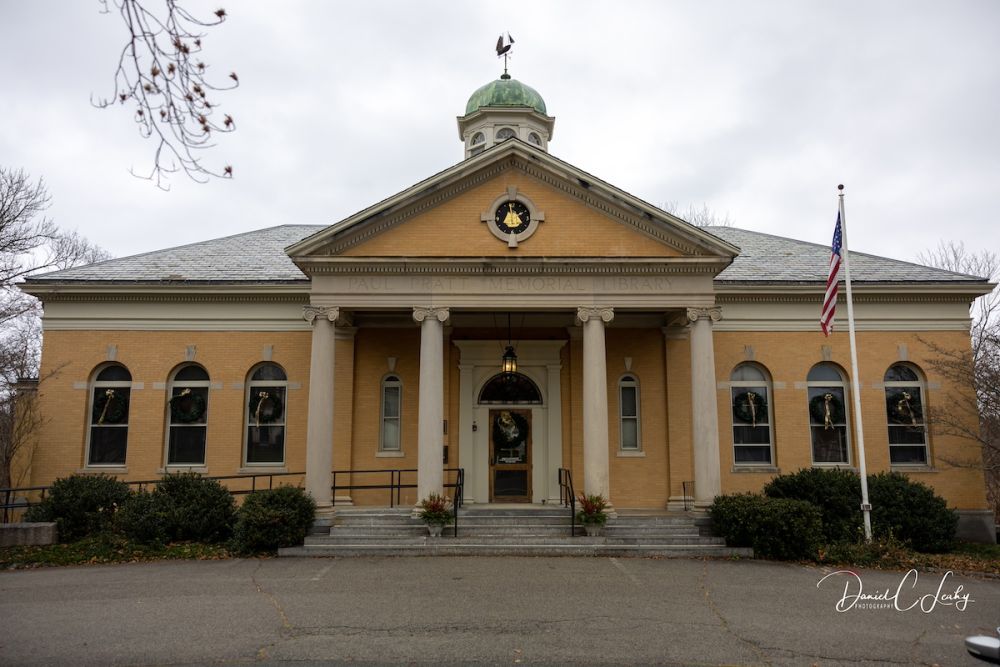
(104, 549)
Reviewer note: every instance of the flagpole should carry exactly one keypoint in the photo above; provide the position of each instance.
(866, 507)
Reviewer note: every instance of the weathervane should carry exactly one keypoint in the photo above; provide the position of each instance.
(504, 42)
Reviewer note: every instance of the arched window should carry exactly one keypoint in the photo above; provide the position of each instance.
(510, 389)
(110, 396)
(265, 416)
(827, 392)
(628, 413)
(477, 144)
(505, 133)
(187, 416)
(535, 139)
(753, 436)
(904, 406)
(392, 402)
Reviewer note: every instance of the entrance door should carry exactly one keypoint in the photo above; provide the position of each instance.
(510, 456)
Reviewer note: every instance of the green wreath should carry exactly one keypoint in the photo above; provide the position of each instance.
(502, 432)
(818, 407)
(750, 407)
(904, 409)
(187, 407)
(110, 407)
(265, 407)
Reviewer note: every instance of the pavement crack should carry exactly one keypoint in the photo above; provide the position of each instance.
(285, 624)
(707, 595)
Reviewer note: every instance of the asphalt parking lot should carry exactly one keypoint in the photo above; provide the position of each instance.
(488, 611)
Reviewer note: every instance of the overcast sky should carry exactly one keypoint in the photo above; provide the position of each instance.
(757, 109)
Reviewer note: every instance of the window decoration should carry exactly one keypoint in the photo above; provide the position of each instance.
(753, 437)
(904, 391)
(628, 413)
(510, 389)
(188, 423)
(827, 390)
(392, 400)
(265, 415)
(109, 412)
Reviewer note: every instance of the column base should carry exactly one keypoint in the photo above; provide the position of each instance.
(680, 503)
(344, 501)
(324, 516)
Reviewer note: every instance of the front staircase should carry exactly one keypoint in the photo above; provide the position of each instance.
(535, 530)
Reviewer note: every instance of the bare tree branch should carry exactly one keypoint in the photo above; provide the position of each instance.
(699, 217)
(159, 72)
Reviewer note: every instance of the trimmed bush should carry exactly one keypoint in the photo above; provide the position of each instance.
(81, 505)
(734, 517)
(836, 492)
(787, 530)
(269, 520)
(142, 519)
(911, 512)
(195, 508)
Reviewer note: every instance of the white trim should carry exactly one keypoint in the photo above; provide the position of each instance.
(633, 382)
(383, 385)
(921, 385)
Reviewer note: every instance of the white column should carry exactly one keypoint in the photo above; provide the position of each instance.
(319, 430)
(466, 436)
(430, 422)
(595, 401)
(553, 386)
(704, 405)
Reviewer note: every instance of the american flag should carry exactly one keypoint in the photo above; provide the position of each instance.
(830, 299)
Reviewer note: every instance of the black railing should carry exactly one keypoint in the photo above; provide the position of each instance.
(12, 503)
(396, 483)
(688, 488)
(567, 497)
(459, 487)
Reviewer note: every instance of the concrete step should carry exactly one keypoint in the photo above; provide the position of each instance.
(441, 547)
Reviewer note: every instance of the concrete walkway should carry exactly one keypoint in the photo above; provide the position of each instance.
(480, 611)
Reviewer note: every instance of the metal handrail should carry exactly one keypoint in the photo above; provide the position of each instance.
(9, 506)
(395, 485)
(459, 495)
(567, 497)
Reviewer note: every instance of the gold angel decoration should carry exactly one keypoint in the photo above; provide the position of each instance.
(108, 397)
(903, 407)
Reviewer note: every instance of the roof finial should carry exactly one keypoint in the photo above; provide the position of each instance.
(503, 49)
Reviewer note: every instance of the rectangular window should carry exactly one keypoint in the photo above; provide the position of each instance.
(751, 426)
(828, 425)
(390, 417)
(629, 417)
(907, 429)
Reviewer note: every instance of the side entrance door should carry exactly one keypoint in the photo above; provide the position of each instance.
(510, 456)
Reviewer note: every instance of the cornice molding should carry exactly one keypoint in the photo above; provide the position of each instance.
(171, 297)
(502, 266)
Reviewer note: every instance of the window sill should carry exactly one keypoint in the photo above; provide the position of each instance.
(916, 467)
(261, 470)
(107, 470)
(631, 454)
(173, 469)
(835, 466)
(764, 469)
(389, 455)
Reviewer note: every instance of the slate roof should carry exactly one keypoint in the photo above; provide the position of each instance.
(258, 257)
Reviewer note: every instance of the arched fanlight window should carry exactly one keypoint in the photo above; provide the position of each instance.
(628, 414)
(477, 143)
(904, 406)
(265, 416)
(826, 388)
(534, 139)
(753, 432)
(392, 402)
(187, 416)
(510, 389)
(505, 133)
(107, 435)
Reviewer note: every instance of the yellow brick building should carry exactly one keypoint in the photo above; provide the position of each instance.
(658, 362)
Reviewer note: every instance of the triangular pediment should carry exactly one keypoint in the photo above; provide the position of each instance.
(450, 214)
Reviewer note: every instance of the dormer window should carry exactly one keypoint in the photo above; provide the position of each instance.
(505, 133)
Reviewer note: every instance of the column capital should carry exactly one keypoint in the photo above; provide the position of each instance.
(310, 313)
(585, 313)
(421, 313)
(713, 313)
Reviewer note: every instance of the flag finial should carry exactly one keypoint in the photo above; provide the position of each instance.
(841, 187)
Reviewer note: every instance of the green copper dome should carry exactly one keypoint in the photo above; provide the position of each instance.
(505, 93)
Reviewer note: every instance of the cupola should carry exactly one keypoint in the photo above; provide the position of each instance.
(504, 109)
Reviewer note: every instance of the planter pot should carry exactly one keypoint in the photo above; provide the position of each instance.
(435, 529)
(594, 529)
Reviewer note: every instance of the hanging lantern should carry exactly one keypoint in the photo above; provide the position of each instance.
(509, 362)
